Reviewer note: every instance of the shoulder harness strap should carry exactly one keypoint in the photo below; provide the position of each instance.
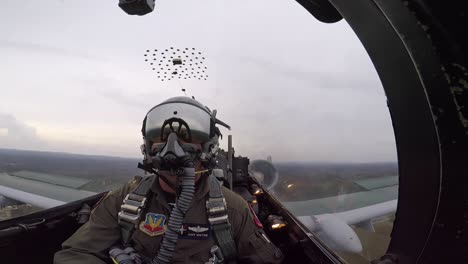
(216, 209)
(132, 207)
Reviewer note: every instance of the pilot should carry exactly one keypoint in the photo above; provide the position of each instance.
(179, 214)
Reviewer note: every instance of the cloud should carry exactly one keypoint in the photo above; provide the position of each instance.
(44, 49)
(342, 77)
(18, 134)
(99, 86)
(289, 90)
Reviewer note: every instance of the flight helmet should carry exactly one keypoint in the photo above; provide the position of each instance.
(190, 121)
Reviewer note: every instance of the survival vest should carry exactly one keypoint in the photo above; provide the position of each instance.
(134, 205)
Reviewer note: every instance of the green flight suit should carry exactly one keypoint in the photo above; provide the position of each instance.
(90, 243)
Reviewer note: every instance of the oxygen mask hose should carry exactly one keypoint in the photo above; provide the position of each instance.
(187, 185)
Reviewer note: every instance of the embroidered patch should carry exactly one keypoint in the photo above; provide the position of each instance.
(255, 218)
(154, 224)
(194, 231)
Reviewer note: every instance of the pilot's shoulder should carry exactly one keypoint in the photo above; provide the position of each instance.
(128, 187)
(133, 183)
(112, 201)
(114, 198)
(233, 200)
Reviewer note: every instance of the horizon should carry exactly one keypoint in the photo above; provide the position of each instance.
(140, 158)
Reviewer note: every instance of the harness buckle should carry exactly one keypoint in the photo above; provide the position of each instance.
(216, 206)
(216, 255)
(131, 208)
(218, 220)
(121, 255)
(217, 211)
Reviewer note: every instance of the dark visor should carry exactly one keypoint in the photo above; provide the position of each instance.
(190, 123)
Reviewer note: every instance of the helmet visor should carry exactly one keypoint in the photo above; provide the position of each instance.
(189, 122)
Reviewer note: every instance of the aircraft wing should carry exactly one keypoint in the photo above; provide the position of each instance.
(330, 218)
(42, 190)
(382, 189)
(368, 213)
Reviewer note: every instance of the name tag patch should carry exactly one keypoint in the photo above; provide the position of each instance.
(194, 231)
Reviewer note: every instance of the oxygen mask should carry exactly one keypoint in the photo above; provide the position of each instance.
(173, 154)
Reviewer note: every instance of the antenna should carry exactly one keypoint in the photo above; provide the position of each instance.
(230, 156)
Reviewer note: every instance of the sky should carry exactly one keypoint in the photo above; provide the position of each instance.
(73, 78)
